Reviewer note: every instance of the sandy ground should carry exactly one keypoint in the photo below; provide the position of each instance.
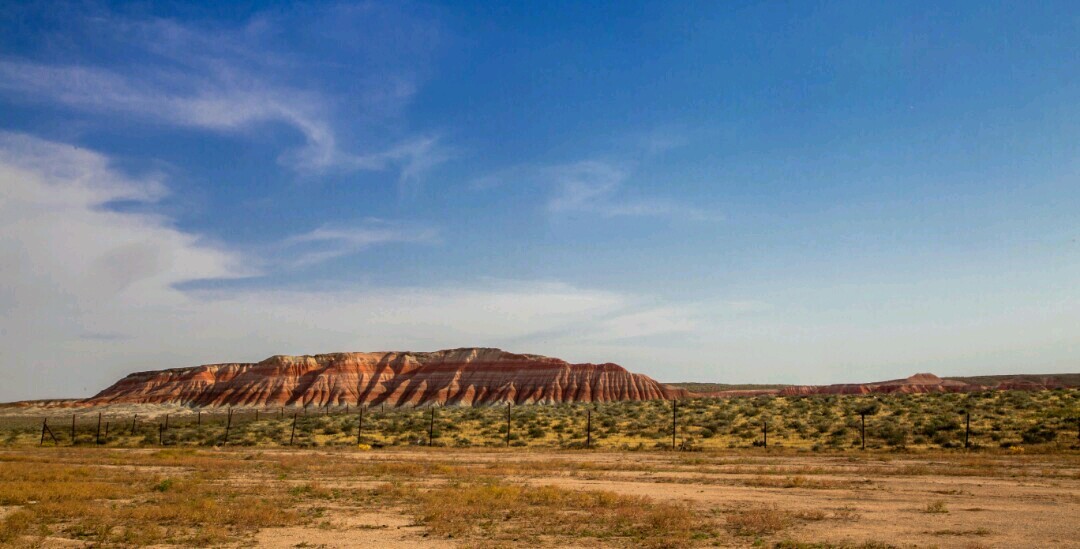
(1031, 503)
(988, 500)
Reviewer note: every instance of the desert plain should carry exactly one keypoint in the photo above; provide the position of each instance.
(198, 485)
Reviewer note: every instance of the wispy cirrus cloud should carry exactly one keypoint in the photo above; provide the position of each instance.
(237, 79)
(596, 187)
(333, 241)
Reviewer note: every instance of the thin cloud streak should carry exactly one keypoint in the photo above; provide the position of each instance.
(597, 187)
(230, 81)
(332, 241)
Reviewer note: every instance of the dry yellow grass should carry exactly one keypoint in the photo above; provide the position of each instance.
(194, 497)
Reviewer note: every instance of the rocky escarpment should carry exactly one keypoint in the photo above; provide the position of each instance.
(453, 377)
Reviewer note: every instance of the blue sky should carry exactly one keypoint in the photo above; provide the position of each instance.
(738, 192)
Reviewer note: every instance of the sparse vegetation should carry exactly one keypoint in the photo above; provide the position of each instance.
(1044, 421)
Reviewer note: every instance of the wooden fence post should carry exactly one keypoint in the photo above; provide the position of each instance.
(863, 429)
(967, 428)
(45, 429)
(431, 428)
(764, 433)
(674, 416)
(508, 405)
(228, 425)
(588, 428)
(360, 426)
(293, 434)
(133, 419)
(97, 436)
(199, 420)
(256, 415)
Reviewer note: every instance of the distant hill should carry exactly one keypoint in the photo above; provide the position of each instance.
(1070, 380)
(695, 387)
(918, 383)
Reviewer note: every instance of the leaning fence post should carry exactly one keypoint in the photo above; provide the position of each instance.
(44, 425)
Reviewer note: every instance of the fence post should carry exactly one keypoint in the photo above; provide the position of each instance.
(588, 428)
(764, 433)
(293, 434)
(45, 428)
(256, 415)
(360, 427)
(508, 405)
(228, 425)
(431, 428)
(967, 427)
(97, 436)
(863, 429)
(674, 415)
(199, 420)
(133, 419)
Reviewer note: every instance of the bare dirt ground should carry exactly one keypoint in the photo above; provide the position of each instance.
(421, 498)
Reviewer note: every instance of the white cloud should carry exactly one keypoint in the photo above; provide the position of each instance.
(90, 294)
(597, 187)
(590, 186)
(333, 241)
(233, 80)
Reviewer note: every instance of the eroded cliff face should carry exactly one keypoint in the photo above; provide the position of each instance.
(471, 376)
